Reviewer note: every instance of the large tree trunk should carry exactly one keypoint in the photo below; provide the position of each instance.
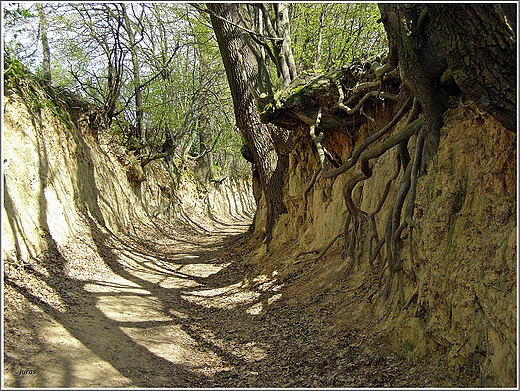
(242, 73)
(480, 45)
(475, 43)
(414, 44)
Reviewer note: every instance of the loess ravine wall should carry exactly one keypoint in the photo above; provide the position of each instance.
(57, 173)
(459, 267)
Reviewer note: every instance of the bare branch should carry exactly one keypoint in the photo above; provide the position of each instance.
(198, 7)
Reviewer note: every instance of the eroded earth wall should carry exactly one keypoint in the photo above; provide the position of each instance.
(56, 173)
(459, 265)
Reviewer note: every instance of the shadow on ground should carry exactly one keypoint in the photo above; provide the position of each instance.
(170, 306)
(152, 310)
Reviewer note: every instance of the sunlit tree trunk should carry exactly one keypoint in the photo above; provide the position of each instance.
(139, 113)
(45, 44)
(283, 29)
(242, 73)
(320, 36)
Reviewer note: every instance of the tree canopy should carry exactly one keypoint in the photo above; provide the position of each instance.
(155, 71)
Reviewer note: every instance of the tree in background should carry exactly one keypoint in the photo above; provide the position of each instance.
(262, 140)
(154, 69)
(46, 64)
(329, 35)
(21, 34)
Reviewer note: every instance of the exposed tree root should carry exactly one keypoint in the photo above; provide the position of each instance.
(360, 226)
(321, 252)
(392, 243)
(326, 248)
(358, 221)
(412, 298)
(368, 141)
(318, 141)
(308, 189)
(374, 236)
(360, 234)
(375, 253)
(372, 94)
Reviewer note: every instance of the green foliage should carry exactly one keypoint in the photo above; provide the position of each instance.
(184, 91)
(227, 159)
(22, 33)
(35, 92)
(181, 74)
(348, 31)
(14, 69)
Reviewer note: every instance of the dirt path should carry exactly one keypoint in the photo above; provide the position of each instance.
(168, 306)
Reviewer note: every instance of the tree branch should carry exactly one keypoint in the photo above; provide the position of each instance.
(147, 160)
(206, 150)
(198, 7)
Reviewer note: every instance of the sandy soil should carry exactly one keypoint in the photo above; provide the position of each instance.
(168, 306)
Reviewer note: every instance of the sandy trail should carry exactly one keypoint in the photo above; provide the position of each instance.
(168, 306)
(114, 311)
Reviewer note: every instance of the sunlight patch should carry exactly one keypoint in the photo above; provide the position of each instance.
(218, 291)
(131, 308)
(178, 314)
(202, 270)
(188, 256)
(177, 283)
(226, 297)
(172, 343)
(255, 309)
(111, 287)
(274, 298)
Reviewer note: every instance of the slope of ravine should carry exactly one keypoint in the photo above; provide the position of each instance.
(115, 277)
